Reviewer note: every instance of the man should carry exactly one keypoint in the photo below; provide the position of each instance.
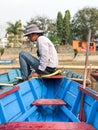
(47, 61)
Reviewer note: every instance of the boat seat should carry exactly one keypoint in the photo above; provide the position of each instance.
(47, 126)
(56, 102)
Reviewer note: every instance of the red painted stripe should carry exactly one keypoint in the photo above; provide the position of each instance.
(3, 73)
(9, 91)
(95, 96)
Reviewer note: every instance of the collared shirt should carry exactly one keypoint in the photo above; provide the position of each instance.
(48, 55)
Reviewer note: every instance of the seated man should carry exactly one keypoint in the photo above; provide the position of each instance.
(47, 60)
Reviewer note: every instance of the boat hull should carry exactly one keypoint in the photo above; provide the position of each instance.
(20, 104)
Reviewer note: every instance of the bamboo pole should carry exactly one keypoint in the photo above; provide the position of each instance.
(86, 60)
(59, 67)
(82, 112)
(5, 84)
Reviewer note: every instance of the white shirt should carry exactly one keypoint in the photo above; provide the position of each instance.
(48, 55)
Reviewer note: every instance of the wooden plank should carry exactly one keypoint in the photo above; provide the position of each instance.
(85, 91)
(9, 91)
(75, 67)
(46, 126)
(40, 102)
(6, 84)
(59, 67)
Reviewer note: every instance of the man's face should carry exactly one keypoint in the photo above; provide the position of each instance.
(33, 37)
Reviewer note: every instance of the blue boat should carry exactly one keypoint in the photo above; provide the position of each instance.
(7, 61)
(9, 78)
(55, 103)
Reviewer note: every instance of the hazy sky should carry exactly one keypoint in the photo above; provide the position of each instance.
(24, 10)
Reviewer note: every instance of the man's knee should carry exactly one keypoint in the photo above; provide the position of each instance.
(22, 53)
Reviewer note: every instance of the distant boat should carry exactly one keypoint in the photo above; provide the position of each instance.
(7, 61)
(13, 75)
(94, 74)
(76, 77)
(9, 78)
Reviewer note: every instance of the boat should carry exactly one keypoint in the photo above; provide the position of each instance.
(48, 103)
(7, 61)
(76, 77)
(94, 74)
(9, 78)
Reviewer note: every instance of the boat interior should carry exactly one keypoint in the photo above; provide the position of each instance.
(48, 102)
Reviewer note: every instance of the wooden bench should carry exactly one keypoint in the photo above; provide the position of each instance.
(56, 102)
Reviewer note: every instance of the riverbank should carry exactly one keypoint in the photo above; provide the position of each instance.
(66, 61)
(65, 55)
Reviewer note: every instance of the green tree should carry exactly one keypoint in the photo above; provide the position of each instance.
(46, 24)
(85, 19)
(14, 32)
(59, 24)
(66, 27)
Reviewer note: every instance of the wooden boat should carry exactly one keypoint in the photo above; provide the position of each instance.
(94, 74)
(7, 61)
(9, 78)
(48, 104)
(76, 77)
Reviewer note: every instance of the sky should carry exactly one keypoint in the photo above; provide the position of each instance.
(24, 10)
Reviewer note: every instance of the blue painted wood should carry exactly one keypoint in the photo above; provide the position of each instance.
(10, 76)
(92, 112)
(13, 73)
(27, 114)
(3, 118)
(7, 103)
(4, 78)
(31, 90)
(69, 114)
(7, 61)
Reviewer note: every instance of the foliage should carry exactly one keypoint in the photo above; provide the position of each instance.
(59, 24)
(14, 32)
(85, 19)
(63, 29)
(44, 23)
(54, 38)
(67, 27)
